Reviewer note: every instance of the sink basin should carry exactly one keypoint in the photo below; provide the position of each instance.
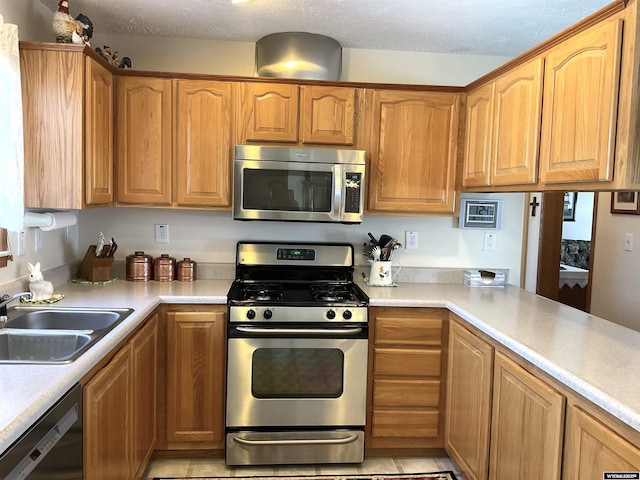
(54, 335)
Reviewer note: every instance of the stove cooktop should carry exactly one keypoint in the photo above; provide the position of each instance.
(296, 294)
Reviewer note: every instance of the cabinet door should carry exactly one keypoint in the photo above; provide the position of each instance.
(52, 101)
(478, 131)
(99, 89)
(516, 125)
(144, 355)
(267, 112)
(592, 449)
(327, 115)
(144, 141)
(412, 145)
(204, 150)
(195, 378)
(107, 421)
(468, 402)
(579, 115)
(526, 427)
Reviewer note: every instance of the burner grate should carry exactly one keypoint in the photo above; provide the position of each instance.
(331, 292)
(263, 292)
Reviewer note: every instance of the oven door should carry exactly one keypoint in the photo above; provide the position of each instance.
(293, 191)
(277, 379)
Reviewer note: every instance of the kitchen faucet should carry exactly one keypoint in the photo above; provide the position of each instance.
(4, 301)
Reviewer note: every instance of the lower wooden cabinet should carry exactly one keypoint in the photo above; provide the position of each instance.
(405, 377)
(469, 382)
(591, 448)
(119, 410)
(195, 379)
(527, 424)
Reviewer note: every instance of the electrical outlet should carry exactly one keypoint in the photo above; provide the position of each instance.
(38, 239)
(411, 240)
(22, 242)
(489, 241)
(162, 233)
(628, 242)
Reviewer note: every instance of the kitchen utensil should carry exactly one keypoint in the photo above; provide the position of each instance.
(100, 245)
(376, 252)
(373, 239)
(384, 239)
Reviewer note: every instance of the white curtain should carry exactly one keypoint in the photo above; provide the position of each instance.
(11, 140)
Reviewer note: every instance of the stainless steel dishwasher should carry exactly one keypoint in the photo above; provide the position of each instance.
(51, 447)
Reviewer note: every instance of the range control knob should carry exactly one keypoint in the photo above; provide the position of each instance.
(347, 314)
(331, 314)
(251, 314)
(267, 314)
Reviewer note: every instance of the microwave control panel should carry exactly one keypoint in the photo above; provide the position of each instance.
(353, 192)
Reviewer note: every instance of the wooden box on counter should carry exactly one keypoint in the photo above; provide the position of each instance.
(95, 269)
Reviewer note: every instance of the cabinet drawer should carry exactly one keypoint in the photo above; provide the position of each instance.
(405, 423)
(405, 362)
(406, 393)
(425, 330)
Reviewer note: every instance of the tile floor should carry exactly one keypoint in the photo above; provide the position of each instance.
(215, 467)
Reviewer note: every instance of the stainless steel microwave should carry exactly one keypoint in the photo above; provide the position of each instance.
(298, 184)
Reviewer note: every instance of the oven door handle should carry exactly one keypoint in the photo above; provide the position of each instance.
(307, 441)
(302, 331)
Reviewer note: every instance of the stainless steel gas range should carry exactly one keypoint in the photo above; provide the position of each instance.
(296, 356)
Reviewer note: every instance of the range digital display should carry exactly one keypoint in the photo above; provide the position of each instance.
(296, 254)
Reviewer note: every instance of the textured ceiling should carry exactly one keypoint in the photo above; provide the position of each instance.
(477, 27)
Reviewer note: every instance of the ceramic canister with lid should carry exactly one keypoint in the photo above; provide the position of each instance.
(186, 270)
(164, 268)
(139, 267)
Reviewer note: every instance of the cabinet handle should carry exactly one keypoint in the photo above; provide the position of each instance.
(325, 331)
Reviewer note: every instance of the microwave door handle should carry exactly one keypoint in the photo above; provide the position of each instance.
(338, 185)
(314, 331)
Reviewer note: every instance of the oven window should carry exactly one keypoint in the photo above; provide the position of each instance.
(297, 373)
(287, 190)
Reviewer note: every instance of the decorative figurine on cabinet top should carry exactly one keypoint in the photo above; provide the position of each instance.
(70, 30)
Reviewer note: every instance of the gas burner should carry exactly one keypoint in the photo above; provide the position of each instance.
(331, 292)
(263, 292)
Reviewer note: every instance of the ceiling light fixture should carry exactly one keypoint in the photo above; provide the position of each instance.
(240, 1)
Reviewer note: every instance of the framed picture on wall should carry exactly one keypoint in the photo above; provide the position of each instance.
(569, 213)
(625, 202)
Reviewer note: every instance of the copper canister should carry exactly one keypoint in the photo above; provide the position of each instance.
(139, 267)
(186, 271)
(164, 268)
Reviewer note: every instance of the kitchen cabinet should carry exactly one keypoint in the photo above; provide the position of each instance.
(67, 98)
(175, 142)
(468, 419)
(503, 129)
(527, 424)
(296, 114)
(406, 390)
(144, 140)
(119, 410)
(204, 150)
(592, 448)
(412, 145)
(579, 116)
(195, 379)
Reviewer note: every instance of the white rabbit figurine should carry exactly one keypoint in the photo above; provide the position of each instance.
(39, 288)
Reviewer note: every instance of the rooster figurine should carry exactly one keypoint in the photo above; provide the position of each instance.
(69, 30)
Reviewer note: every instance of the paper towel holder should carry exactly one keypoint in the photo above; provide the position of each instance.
(49, 220)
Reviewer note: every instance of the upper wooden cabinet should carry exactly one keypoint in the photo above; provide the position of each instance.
(175, 142)
(290, 113)
(503, 129)
(67, 100)
(579, 117)
(412, 145)
(204, 149)
(144, 140)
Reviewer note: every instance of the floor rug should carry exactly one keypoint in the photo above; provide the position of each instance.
(448, 475)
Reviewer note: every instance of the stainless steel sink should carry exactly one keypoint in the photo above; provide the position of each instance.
(54, 335)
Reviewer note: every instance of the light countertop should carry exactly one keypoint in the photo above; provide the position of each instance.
(594, 357)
